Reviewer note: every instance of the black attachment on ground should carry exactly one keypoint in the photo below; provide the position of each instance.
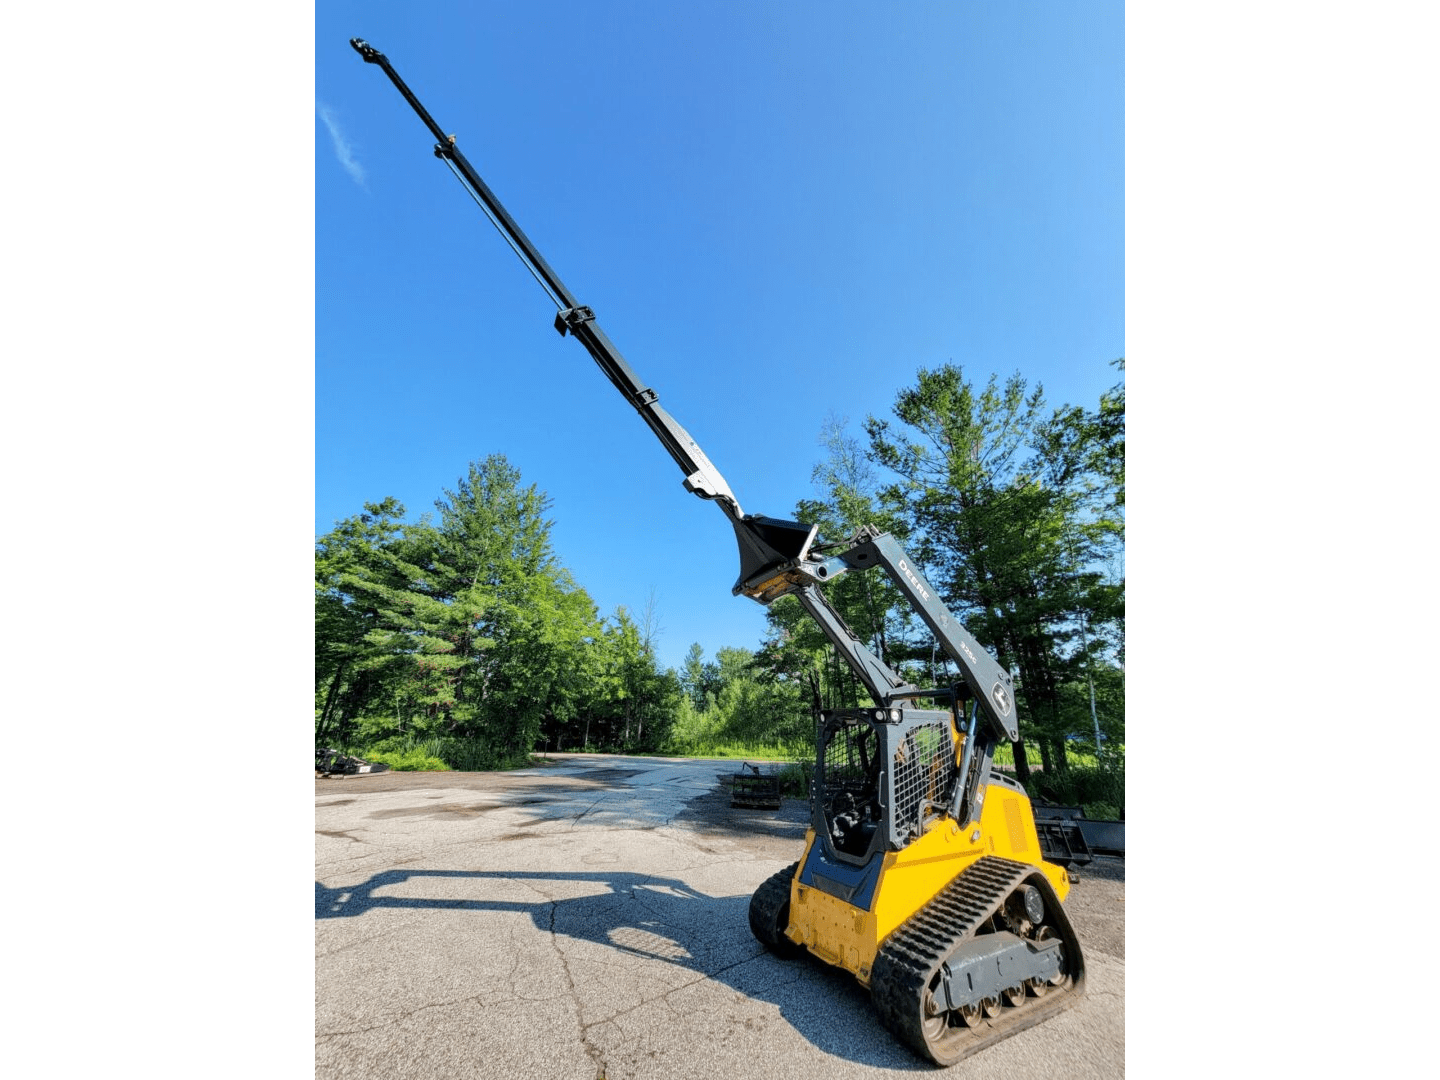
(1062, 841)
(752, 790)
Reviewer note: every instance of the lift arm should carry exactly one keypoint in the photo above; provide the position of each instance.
(988, 682)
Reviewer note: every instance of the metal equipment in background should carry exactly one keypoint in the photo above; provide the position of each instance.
(333, 763)
(1061, 837)
(750, 789)
(1069, 838)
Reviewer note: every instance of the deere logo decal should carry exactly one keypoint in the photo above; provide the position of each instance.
(1001, 697)
(915, 581)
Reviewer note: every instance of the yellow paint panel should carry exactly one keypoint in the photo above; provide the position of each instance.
(847, 937)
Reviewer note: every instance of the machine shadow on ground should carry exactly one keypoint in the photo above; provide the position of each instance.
(657, 918)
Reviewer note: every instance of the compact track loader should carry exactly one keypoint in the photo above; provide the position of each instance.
(922, 873)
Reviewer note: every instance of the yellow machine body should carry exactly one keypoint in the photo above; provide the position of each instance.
(848, 937)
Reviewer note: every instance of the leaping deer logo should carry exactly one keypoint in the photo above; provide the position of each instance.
(1001, 697)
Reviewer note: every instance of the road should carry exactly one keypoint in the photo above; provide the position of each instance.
(587, 919)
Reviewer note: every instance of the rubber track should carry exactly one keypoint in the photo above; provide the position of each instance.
(765, 906)
(911, 956)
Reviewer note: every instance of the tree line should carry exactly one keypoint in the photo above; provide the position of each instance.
(464, 634)
(1015, 512)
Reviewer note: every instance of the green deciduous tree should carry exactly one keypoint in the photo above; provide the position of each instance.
(794, 649)
(628, 703)
(752, 704)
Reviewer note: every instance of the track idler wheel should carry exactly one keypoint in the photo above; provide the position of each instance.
(1063, 981)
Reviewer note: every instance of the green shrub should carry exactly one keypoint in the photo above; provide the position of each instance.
(439, 753)
(477, 755)
(410, 761)
(376, 731)
(395, 744)
(1085, 785)
(795, 781)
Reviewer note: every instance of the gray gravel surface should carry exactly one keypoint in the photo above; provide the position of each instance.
(587, 918)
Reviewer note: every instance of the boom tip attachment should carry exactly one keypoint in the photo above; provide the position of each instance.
(370, 54)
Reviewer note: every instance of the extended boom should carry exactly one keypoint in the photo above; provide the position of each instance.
(775, 553)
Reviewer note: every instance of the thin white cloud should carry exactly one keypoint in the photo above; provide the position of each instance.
(343, 150)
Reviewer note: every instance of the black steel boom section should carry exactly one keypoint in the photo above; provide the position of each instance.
(775, 554)
(701, 476)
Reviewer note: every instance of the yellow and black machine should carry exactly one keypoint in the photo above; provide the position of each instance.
(922, 873)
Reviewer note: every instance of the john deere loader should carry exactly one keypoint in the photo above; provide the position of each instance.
(922, 873)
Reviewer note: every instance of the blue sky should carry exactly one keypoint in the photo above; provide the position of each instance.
(779, 212)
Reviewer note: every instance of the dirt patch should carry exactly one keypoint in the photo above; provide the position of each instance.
(435, 811)
(770, 834)
(484, 783)
(607, 775)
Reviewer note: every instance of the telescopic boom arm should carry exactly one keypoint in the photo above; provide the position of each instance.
(701, 476)
(775, 554)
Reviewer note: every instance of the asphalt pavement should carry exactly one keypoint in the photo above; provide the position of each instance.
(587, 918)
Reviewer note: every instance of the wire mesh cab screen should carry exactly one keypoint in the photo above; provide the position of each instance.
(849, 781)
(875, 775)
(922, 769)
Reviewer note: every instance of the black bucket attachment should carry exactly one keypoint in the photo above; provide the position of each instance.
(1104, 837)
(769, 547)
(751, 790)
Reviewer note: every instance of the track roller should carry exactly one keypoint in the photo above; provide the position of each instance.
(992, 954)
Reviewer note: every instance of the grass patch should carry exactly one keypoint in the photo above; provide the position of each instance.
(406, 753)
(410, 761)
(745, 751)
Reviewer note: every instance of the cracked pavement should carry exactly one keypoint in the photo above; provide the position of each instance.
(587, 918)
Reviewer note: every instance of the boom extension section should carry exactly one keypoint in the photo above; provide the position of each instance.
(764, 543)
